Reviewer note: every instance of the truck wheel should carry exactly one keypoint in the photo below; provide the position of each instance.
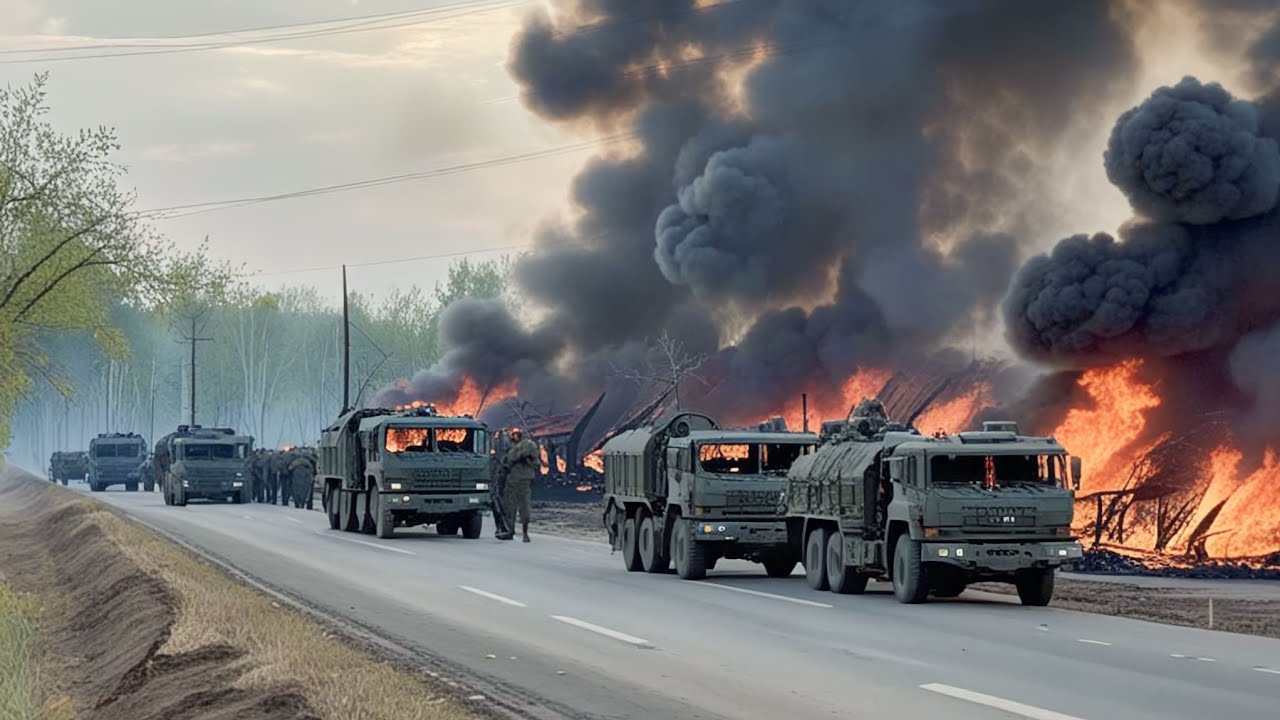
(779, 565)
(131, 487)
(331, 509)
(168, 497)
(149, 487)
(815, 559)
(93, 487)
(473, 526)
(1035, 587)
(384, 523)
(691, 557)
(842, 579)
(347, 507)
(631, 546)
(364, 505)
(652, 555)
(910, 584)
(179, 497)
(64, 482)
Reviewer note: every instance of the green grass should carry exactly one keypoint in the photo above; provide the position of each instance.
(19, 696)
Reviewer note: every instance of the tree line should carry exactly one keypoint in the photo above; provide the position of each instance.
(97, 310)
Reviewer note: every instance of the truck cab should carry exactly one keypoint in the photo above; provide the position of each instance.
(116, 459)
(204, 463)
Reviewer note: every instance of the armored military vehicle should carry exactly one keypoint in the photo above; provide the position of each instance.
(116, 459)
(65, 466)
(210, 463)
(687, 491)
(383, 469)
(932, 514)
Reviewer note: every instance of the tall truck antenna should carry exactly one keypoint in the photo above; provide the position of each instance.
(346, 346)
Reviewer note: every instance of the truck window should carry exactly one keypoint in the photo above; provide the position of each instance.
(456, 440)
(408, 439)
(1009, 469)
(130, 451)
(104, 450)
(211, 451)
(777, 457)
(727, 458)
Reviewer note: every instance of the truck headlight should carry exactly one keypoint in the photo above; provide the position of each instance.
(396, 486)
(239, 474)
(482, 486)
(237, 484)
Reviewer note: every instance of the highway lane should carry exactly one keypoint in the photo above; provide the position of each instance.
(593, 640)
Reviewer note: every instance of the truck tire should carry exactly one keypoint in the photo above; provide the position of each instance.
(332, 509)
(131, 487)
(347, 507)
(1035, 587)
(244, 498)
(815, 559)
(631, 546)
(779, 565)
(910, 584)
(179, 497)
(149, 487)
(384, 523)
(364, 505)
(842, 579)
(168, 497)
(473, 526)
(690, 556)
(653, 556)
(64, 482)
(94, 487)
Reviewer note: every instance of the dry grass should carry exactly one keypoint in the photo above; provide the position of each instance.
(281, 646)
(24, 683)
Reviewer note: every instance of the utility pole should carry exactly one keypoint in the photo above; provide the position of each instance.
(194, 338)
(346, 347)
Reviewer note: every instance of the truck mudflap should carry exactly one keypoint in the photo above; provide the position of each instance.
(1001, 557)
(739, 531)
(436, 504)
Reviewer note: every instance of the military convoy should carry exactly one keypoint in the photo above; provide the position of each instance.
(116, 459)
(687, 491)
(65, 466)
(382, 469)
(210, 463)
(932, 514)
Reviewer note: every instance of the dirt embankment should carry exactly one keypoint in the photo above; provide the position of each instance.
(1173, 602)
(134, 628)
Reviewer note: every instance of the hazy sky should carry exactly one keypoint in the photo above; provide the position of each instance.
(278, 117)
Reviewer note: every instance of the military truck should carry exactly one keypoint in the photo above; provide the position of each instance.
(687, 491)
(382, 469)
(932, 514)
(65, 466)
(116, 459)
(195, 462)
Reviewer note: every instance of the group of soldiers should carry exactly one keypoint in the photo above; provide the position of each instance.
(284, 476)
(513, 491)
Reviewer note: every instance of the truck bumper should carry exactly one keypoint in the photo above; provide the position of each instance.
(215, 489)
(1001, 557)
(425, 504)
(744, 532)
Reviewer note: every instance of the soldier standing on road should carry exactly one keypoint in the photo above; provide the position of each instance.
(302, 476)
(258, 475)
(521, 464)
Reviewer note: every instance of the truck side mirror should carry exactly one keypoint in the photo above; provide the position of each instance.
(1075, 472)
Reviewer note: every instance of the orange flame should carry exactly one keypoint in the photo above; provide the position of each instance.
(595, 461)
(451, 435)
(723, 452)
(863, 383)
(1244, 527)
(468, 401)
(399, 438)
(1106, 435)
(957, 413)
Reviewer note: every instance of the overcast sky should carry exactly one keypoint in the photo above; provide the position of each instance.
(278, 117)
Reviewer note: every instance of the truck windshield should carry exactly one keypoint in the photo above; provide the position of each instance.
(729, 458)
(115, 450)
(1008, 469)
(777, 457)
(213, 451)
(408, 439)
(464, 440)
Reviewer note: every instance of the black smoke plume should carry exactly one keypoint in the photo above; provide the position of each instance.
(808, 186)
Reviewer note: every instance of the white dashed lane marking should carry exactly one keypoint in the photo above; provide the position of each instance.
(757, 593)
(1267, 670)
(600, 630)
(492, 596)
(1009, 706)
(332, 536)
(1093, 642)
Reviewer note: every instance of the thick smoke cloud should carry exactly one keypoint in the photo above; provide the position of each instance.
(1255, 368)
(810, 186)
(1191, 153)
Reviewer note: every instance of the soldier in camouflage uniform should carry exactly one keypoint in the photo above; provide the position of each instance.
(302, 478)
(521, 466)
(278, 478)
(258, 475)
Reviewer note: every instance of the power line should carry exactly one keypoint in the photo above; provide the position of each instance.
(434, 15)
(178, 211)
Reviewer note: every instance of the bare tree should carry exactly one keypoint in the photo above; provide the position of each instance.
(667, 366)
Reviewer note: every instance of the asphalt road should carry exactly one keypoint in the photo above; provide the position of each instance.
(559, 624)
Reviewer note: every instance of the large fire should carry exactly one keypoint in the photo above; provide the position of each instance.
(595, 461)
(865, 382)
(470, 400)
(956, 414)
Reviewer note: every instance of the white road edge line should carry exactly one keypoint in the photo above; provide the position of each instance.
(492, 596)
(601, 630)
(293, 520)
(323, 533)
(1267, 670)
(1017, 708)
(1092, 642)
(757, 593)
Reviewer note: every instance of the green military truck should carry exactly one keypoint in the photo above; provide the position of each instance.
(116, 459)
(65, 466)
(383, 469)
(933, 514)
(203, 463)
(687, 491)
